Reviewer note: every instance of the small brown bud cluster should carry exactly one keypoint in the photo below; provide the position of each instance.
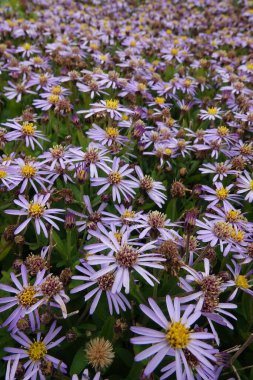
(9, 232)
(177, 189)
(35, 263)
(173, 262)
(65, 276)
(51, 286)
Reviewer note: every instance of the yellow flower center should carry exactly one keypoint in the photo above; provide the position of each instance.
(37, 351)
(118, 236)
(36, 210)
(103, 57)
(159, 100)
(28, 171)
(112, 132)
(27, 46)
(93, 46)
(187, 83)
(251, 185)
(167, 151)
(142, 87)
(250, 66)
(242, 282)
(37, 60)
(212, 111)
(3, 173)
(112, 104)
(133, 43)
(237, 235)
(125, 117)
(174, 51)
(222, 193)
(246, 149)
(56, 90)
(178, 335)
(232, 215)
(114, 178)
(28, 129)
(223, 131)
(53, 99)
(26, 297)
(128, 214)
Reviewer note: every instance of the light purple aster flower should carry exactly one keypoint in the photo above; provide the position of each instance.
(176, 339)
(220, 194)
(220, 170)
(123, 259)
(211, 113)
(110, 106)
(240, 281)
(26, 131)
(245, 184)
(25, 299)
(36, 351)
(37, 211)
(119, 179)
(151, 188)
(106, 136)
(116, 301)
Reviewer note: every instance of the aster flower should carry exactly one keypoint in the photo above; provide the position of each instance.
(240, 281)
(35, 352)
(245, 184)
(30, 172)
(125, 258)
(16, 91)
(27, 49)
(211, 113)
(102, 284)
(94, 157)
(151, 188)
(155, 224)
(36, 210)
(176, 339)
(57, 155)
(207, 294)
(54, 294)
(119, 179)
(107, 136)
(110, 106)
(26, 131)
(8, 177)
(220, 170)
(221, 194)
(93, 87)
(26, 299)
(125, 218)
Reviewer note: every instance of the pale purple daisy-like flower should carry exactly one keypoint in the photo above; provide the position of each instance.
(8, 177)
(123, 259)
(119, 179)
(103, 284)
(176, 339)
(36, 351)
(27, 50)
(220, 170)
(220, 194)
(240, 281)
(94, 157)
(37, 211)
(154, 189)
(214, 232)
(26, 131)
(155, 224)
(16, 91)
(25, 299)
(57, 155)
(211, 113)
(245, 184)
(110, 106)
(106, 136)
(125, 218)
(30, 172)
(208, 302)
(93, 87)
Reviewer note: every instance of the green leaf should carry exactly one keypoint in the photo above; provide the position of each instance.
(79, 362)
